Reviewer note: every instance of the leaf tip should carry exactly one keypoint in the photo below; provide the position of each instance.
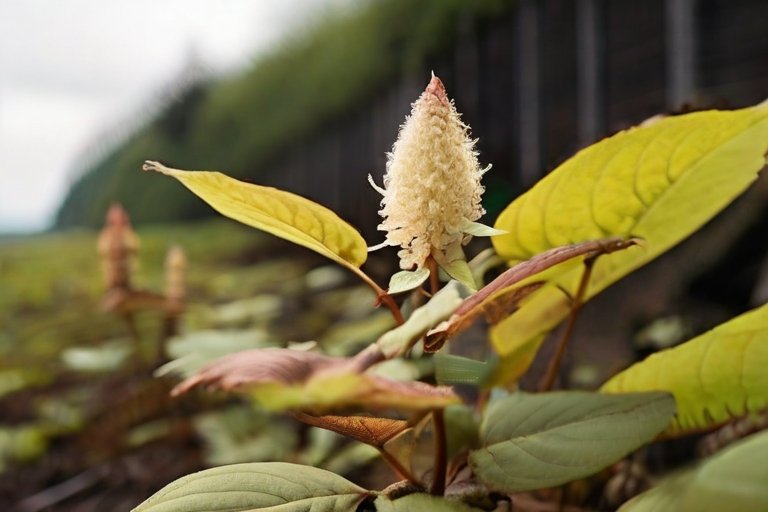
(436, 88)
(151, 165)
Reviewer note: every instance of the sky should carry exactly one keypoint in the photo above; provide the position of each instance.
(73, 70)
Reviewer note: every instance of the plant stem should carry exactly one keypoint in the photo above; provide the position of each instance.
(382, 297)
(368, 357)
(434, 282)
(578, 301)
(398, 468)
(441, 462)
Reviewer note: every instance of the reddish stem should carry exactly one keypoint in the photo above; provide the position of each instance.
(578, 301)
(441, 462)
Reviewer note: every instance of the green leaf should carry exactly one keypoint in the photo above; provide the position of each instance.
(406, 280)
(715, 377)
(274, 486)
(419, 501)
(439, 307)
(280, 213)
(659, 182)
(453, 369)
(478, 229)
(734, 479)
(454, 263)
(459, 270)
(537, 441)
(461, 429)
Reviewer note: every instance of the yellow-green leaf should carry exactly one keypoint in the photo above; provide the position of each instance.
(714, 377)
(733, 479)
(536, 441)
(659, 182)
(273, 486)
(280, 213)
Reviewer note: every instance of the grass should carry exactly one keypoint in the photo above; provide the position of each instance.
(52, 283)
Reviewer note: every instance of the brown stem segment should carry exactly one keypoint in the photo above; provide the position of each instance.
(382, 297)
(398, 468)
(441, 462)
(368, 357)
(434, 281)
(578, 301)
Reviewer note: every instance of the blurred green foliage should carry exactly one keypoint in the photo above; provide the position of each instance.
(239, 123)
(53, 283)
(69, 371)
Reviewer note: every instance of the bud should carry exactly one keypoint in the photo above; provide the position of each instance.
(432, 186)
(117, 246)
(175, 278)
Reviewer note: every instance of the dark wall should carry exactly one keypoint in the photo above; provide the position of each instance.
(540, 82)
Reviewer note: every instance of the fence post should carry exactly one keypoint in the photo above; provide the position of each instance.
(680, 51)
(590, 62)
(528, 95)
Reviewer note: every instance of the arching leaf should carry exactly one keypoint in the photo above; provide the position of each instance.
(659, 182)
(280, 213)
(715, 377)
(273, 486)
(282, 379)
(538, 441)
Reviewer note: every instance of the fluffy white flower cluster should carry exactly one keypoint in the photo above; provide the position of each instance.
(432, 186)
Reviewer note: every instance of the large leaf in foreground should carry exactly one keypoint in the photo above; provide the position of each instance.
(537, 441)
(714, 377)
(280, 213)
(274, 486)
(659, 182)
(734, 479)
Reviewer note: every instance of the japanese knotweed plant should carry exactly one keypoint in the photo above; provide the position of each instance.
(608, 210)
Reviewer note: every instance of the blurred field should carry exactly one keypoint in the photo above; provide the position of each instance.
(83, 417)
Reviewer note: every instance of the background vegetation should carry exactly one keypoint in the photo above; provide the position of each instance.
(240, 123)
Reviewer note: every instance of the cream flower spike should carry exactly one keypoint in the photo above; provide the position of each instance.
(432, 186)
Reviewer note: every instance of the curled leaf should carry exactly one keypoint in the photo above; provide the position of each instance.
(258, 366)
(281, 379)
(366, 429)
(500, 297)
